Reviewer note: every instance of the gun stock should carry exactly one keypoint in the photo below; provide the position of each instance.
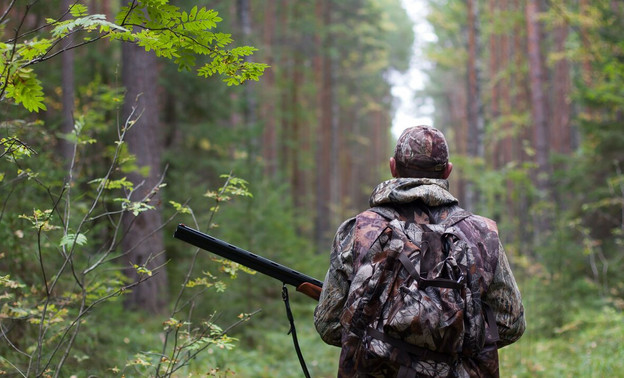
(304, 284)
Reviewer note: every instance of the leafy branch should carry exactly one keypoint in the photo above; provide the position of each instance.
(155, 25)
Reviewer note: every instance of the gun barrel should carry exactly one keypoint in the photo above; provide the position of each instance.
(243, 257)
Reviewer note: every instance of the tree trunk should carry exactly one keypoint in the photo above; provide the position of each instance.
(267, 109)
(335, 141)
(143, 243)
(323, 150)
(561, 138)
(586, 71)
(296, 176)
(495, 87)
(66, 149)
(507, 108)
(457, 103)
(475, 105)
(285, 67)
(249, 99)
(520, 132)
(537, 77)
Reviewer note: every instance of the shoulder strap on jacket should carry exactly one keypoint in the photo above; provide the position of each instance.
(455, 218)
(386, 212)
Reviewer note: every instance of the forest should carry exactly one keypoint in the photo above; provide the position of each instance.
(266, 123)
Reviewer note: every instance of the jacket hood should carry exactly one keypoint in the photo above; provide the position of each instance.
(432, 192)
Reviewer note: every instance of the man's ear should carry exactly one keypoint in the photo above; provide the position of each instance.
(393, 169)
(447, 170)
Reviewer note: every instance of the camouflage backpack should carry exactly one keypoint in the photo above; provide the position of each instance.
(410, 303)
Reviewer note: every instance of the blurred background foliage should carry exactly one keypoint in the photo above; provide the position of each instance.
(528, 92)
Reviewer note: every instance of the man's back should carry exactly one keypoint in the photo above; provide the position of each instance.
(418, 194)
(418, 201)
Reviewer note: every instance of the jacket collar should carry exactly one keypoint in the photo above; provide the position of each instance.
(432, 192)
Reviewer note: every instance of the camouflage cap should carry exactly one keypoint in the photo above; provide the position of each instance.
(422, 148)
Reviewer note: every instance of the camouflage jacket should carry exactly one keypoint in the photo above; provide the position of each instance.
(423, 201)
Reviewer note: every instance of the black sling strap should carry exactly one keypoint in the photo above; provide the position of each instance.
(293, 331)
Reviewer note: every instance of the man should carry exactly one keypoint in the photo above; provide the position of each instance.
(418, 193)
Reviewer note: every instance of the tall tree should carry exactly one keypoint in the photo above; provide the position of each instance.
(249, 103)
(143, 243)
(561, 137)
(475, 103)
(326, 118)
(267, 106)
(495, 47)
(539, 104)
(67, 77)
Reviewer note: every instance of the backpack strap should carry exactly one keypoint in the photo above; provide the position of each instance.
(456, 217)
(492, 335)
(423, 282)
(385, 211)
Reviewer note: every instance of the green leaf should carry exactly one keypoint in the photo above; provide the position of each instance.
(70, 239)
(142, 270)
(122, 183)
(6, 281)
(78, 10)
(90, 23)
(183, 209)
(26, 89)
(34, 49)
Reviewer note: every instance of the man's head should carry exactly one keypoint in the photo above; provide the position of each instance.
(421, 151)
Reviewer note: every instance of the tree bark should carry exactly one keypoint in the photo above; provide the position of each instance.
(249, 104)
(143, 242)
(66, 149)
(521, 132)
(457, 103)
(323, 148)
(267, 109)
(539, 112)
(507, 108)
(561, 138)
(475, 104)
(296, 176)
(495, 86)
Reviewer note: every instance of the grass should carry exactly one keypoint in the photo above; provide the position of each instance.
(585, 341)
(590, 345)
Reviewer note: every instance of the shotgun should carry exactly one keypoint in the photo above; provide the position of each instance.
(304, 284)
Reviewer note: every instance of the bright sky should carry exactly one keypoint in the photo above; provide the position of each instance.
(410, 110)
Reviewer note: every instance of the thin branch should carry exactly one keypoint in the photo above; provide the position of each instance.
(47, 24)
(100, 190)
(70, 343)
(45, 56)
(84, 311)
(124, 212)
(5, 202)
(175, 33)
(130, 9)
(13, 141)
(6, 12)
(223, 188)
(12, 55)
(5, 335)
(228, 329)
(189, 272)
(15, 348)
(42, 329)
